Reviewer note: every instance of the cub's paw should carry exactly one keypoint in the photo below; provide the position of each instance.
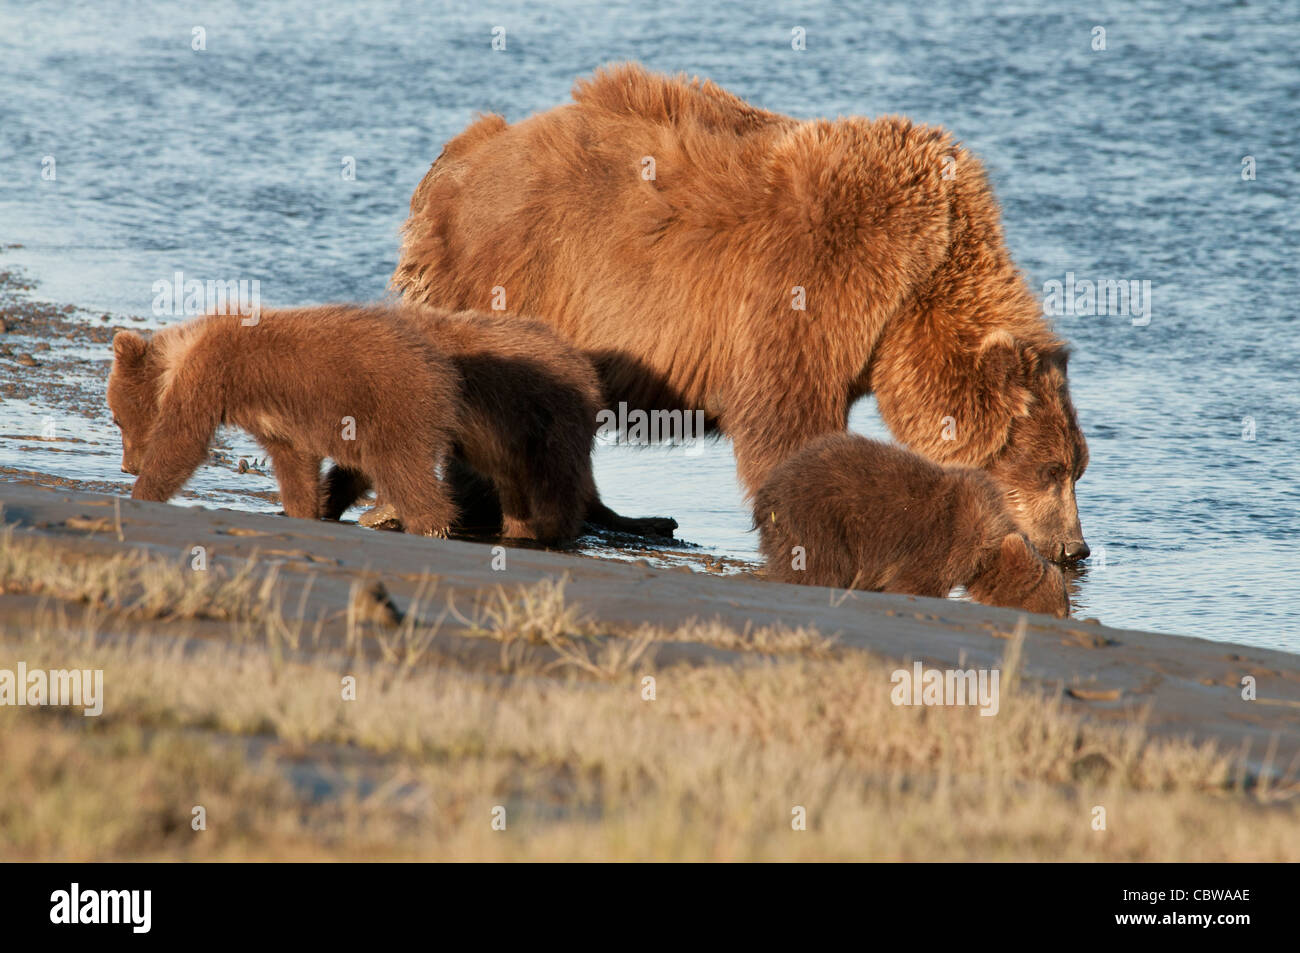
(650, 525)
(384, 516)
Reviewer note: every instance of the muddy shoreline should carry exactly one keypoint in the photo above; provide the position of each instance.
(1178, 686)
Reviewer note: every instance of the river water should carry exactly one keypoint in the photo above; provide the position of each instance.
(1124, 163)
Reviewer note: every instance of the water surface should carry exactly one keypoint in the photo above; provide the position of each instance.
(1123, 163)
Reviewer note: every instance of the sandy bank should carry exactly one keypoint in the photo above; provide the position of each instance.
(1188, 687)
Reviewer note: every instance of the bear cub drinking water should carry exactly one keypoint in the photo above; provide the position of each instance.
(868, 515)
(356, 384)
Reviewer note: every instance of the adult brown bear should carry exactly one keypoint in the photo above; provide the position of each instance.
(770, 271)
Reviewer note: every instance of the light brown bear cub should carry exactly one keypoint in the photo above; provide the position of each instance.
(521, 460)
(873, 516)
(355, 384)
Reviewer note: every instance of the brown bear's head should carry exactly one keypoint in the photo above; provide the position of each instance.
(133, 396)
(1005, 408)
(1019, 578)
(1045, 453)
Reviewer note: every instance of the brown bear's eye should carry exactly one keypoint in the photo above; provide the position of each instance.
(1055, 474)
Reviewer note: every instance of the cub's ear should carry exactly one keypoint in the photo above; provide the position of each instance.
(128, 347)
(1017, 553)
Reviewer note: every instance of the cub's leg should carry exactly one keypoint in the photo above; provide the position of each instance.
(556, 506)
(553, 523)
(178, 445)
(516, 514)
(474, 496)
(477, 501)
(410, 483)
(340, 489)
(298, 474)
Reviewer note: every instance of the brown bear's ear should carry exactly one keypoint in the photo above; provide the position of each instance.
(1003, 368)
(1057, 357)
(1052, 364)
(128, 347)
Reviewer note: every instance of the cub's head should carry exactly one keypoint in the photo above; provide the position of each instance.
(1019, 578)
(1044, 454)
(133, 396)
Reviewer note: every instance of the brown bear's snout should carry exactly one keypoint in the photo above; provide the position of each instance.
(1074, 550)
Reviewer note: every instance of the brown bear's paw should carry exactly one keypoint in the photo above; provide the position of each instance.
(384, 516)
(515, 528)
(646, 525)
(598, 514)
(658, 525)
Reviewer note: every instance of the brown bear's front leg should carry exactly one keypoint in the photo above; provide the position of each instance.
(777, 406)
(477, 501)
(298, 474)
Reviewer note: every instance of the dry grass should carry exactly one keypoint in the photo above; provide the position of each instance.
(585, 767)
(134, 582)
(540, 632)
(563, 734)
(529, 620)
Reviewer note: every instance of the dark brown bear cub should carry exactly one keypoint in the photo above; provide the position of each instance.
(355, 384)
(858, 514)
(522, 449)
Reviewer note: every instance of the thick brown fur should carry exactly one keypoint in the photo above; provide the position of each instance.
(529, 405)
(680, 286)
(869, 515)
(290, 380)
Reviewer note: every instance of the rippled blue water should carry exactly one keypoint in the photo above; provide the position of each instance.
(1121, 164)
